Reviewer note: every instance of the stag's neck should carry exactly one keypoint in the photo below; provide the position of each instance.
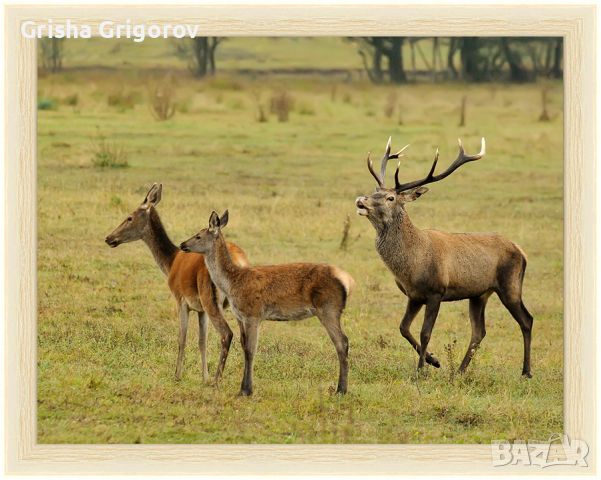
(397, 241)
(162, 248)
(221, 266)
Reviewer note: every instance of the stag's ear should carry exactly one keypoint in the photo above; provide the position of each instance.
(224, 218)
(154, 194)
(214, 222)
(414, 194)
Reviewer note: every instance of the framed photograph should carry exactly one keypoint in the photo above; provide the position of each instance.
(245, 240)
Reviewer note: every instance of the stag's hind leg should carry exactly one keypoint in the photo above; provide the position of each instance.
(510, 294)
(411, 311)
(477, 307)
(521, 315)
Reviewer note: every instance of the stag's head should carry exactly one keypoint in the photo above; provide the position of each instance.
(136, 224)
(385, 204)
(204, 241)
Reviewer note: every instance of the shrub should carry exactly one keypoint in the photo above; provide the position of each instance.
(389, 107)
(261, 116)
(47, 104)
(162, 99)
(306, 109)
(108, 154)
(121, 99)
(282, 104)
(71, 100)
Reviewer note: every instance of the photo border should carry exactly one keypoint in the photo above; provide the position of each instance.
(576, 24)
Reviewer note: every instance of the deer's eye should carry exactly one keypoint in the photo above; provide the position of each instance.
(390, 199)
(197, 237)
(129, 219)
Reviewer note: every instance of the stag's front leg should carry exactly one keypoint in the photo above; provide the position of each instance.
(432, 308)
(183, 313)
(413, 308)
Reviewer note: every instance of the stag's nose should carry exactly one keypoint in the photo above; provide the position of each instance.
(184, 247)
(359, 201)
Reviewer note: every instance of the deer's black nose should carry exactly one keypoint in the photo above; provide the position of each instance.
(111, 242)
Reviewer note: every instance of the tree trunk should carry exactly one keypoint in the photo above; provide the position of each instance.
(517, 73)
(203, 49)
(395, 61)
(469, 59)
(557, 71)
(377, 60)
(450, 55)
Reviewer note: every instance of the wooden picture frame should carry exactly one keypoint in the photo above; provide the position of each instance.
(575, 24)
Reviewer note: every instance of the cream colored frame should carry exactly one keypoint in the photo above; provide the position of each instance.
(577, 26)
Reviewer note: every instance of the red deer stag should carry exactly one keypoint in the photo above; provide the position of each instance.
(277, 292)
(187, 276)
(431, 267)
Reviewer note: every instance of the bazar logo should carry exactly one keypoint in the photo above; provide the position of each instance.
(558, 450)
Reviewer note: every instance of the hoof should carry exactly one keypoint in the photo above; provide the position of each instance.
(341, 391)
(526, 375)
(245, 393)
(433, 361)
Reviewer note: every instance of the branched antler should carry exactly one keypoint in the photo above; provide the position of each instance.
(461, 159)
(387, 156)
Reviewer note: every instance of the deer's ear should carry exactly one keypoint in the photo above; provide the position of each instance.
(224, 218)
(214, 221)
(154, 194)
(414, 194)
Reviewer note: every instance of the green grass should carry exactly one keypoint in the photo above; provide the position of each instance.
(107, 330)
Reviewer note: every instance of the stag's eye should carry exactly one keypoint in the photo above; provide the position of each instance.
(129, 219)
(197, 237)
(390, 199)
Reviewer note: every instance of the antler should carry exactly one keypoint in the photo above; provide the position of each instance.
(387, 156)
(431, 178)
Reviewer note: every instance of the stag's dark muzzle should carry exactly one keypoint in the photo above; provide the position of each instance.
(361, 207)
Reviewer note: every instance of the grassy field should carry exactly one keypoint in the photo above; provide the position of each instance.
(107, 331)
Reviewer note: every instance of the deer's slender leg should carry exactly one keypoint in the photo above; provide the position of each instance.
(331, 321)
(510, 294)
(183, 313)
(203, 333)
(251, 339)
(432, 307)
(211, 308)
(413, 308)
(521, 315)
(477, 306)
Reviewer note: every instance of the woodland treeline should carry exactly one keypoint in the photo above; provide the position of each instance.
(398, 60)
(471, 59)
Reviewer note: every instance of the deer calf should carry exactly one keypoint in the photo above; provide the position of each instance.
(431, 267)
(276, 292)
(187, 276)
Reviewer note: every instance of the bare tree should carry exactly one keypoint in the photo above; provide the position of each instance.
(51, 54)
(200, 54)
(375, 49)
